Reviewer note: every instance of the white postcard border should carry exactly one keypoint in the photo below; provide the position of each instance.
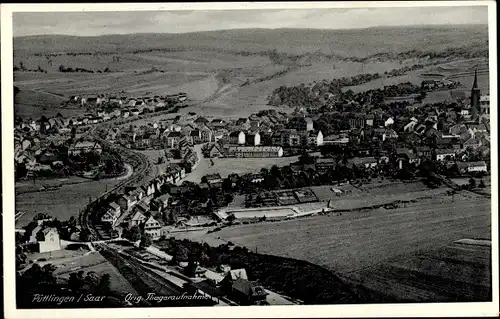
(372, 310)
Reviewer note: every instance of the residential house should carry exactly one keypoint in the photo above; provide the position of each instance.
(201, 120)
(84, 146)
(314, 138)
(369, 119)
(255, 122)
(176, 172)
(173, 139)
(137, 219)
(162, 202)
(215, 150)
(205, 134)
(472, 143)
(253, 139)
(217, 123)
(423, 151)
(389, 121)
(46, 239)
(324, 164)
(237, 137)
(213, 180)
(126, 202)
(152, 228)
(148, 189)
(242, 122)
(410, 127)
(112, 214)
(219, 134)
(256, 178)
(472, 167)
(238, 288)
(366, 162)
(444, 154)
(305, 124)
(195, 136)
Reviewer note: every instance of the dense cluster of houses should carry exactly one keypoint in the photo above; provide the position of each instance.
(127, 102)
(43, 152)
(145, 206)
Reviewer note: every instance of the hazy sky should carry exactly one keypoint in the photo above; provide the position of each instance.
(99, 23)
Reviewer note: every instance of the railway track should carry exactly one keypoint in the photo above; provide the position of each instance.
(143, 280)
(141, 169)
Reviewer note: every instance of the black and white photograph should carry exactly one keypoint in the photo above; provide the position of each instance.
(160, 157)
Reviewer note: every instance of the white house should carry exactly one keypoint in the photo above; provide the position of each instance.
(152, 227)
(410, 127)
(389, 121)
(315, 138)
(471, 167)
(48, 240)
(112, 214)
(237, 137)
(442, 154)
(253, 139)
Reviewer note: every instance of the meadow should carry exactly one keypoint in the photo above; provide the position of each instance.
(62, 203)
(355, 240)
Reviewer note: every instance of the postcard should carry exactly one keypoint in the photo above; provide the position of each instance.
(319, 159)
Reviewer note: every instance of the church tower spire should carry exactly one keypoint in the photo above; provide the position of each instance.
(475, 96)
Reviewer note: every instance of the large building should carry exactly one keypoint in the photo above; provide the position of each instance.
(84, 147)
(255, 151)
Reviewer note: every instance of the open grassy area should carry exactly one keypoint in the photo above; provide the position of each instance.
(226, 166)
(62, 203)
(357, 240)
(456, 272)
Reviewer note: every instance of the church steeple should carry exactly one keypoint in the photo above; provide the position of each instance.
(475, 96)
(474, 85)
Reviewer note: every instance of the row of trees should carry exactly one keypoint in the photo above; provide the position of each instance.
(137, 233)
(22, 67)
(41, 280)
(64, 69)
(297, 279)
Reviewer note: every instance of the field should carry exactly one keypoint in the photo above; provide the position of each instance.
(353, 241)
(461, 71)
(226, 166)
(457, 272)
(62, 203)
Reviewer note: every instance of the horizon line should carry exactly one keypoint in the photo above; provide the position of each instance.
(257, 28)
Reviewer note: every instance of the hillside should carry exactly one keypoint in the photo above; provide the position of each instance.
(354, 42)
(231, 72)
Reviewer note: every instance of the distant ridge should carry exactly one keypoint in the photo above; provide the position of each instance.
(345, 42)
(416, 26)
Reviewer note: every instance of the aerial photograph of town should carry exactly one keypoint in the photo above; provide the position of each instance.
(187, 158)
